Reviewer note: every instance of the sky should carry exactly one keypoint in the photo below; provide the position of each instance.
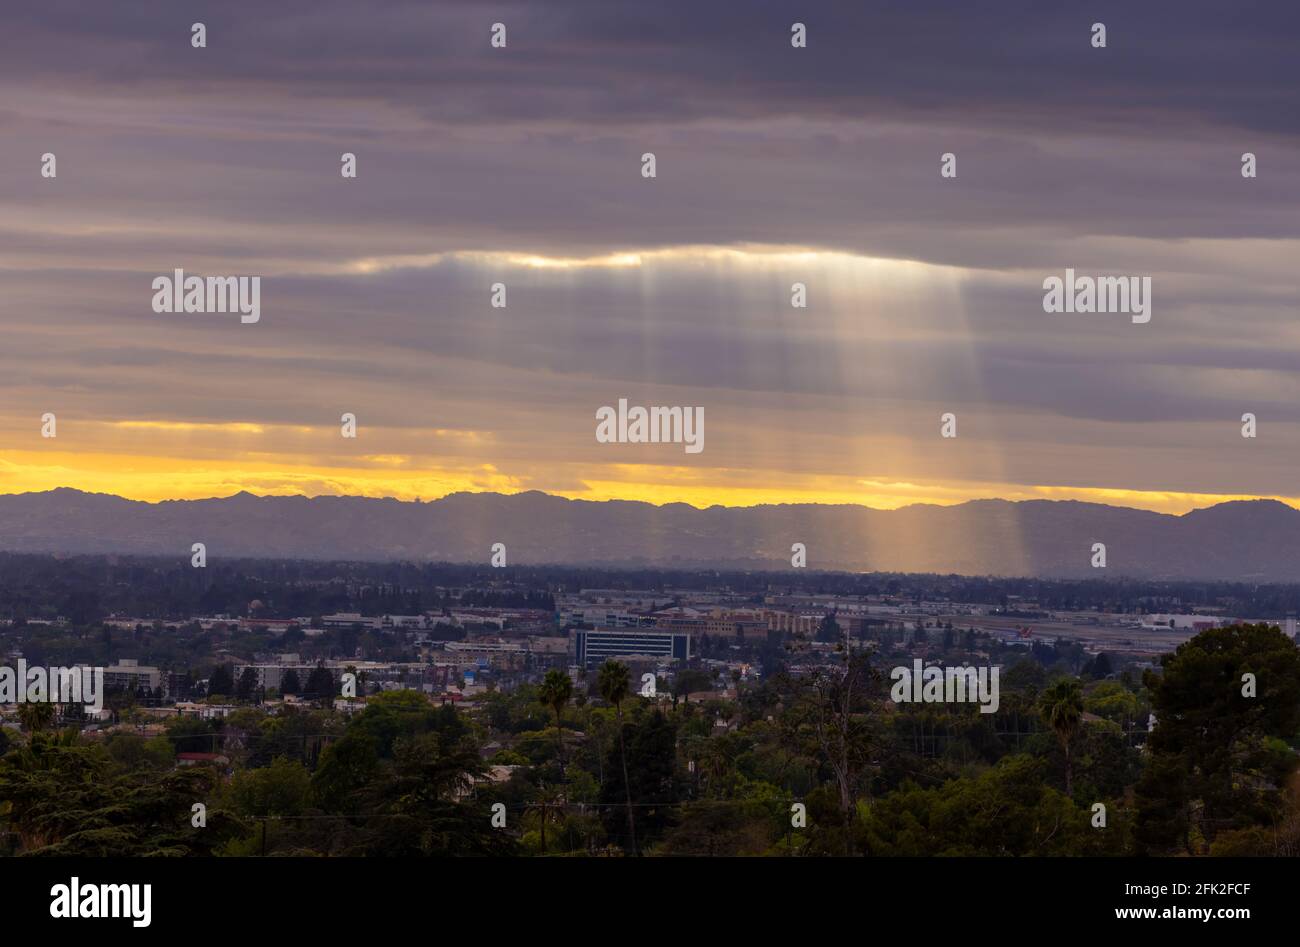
(774, 165)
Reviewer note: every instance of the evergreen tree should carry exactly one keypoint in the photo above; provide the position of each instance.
(221, 682)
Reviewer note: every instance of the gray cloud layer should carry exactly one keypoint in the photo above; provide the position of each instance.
(225, 160)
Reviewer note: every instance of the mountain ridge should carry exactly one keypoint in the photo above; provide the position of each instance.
(1256, 540)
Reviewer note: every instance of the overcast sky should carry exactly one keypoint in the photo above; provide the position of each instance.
(522, 165)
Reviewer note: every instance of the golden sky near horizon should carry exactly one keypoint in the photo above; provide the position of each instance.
(811, 409)
(155, 478)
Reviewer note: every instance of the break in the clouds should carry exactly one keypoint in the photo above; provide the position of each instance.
(775, 165)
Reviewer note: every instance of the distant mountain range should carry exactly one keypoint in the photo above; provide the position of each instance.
(1255, 540)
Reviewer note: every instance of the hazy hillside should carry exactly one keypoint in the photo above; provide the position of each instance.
(1239, 540)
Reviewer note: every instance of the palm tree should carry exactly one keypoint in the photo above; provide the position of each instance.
(35, 716)
(546, 806)
(1062, 707)
(613, 687)
(555, 692)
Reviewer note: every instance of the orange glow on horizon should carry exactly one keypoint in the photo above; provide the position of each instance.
(155, 478)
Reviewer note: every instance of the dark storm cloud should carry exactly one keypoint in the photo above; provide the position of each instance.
(1229, 64)
(536, 147)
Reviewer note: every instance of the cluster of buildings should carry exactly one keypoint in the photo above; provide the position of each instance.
(456, 653)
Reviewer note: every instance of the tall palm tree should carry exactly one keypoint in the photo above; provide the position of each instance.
(546, 805)
(1061, 705)
(612, 683)
(555, 692)
(35, 716)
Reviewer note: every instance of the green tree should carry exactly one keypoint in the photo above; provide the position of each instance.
(66, 799)
(1114, 701)
(221, 682)
(247, 686)
(192, 735)
(391, 715)
(689, 681)
(345, 770)
(1025, 676)
(555, 692)
(281, 789)
(651, 744)
(1217, 757)
(320, 686)
(1006, 810)
(428, 802)
(613, 685)
(1061, 706)
(546, 806)
(1101, 667)
(35, 716)
(748, 824)
(829, 717)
